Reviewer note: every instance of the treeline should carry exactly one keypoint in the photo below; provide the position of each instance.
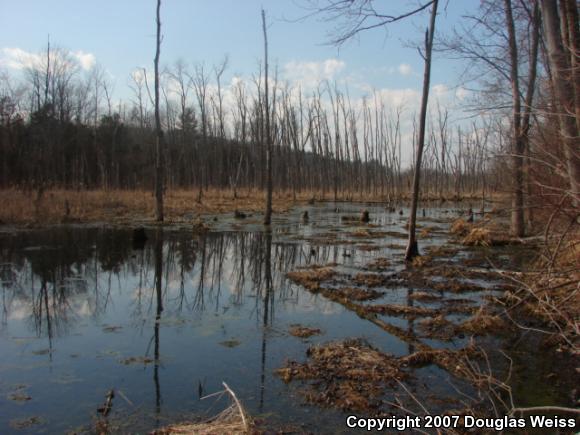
(60, 128)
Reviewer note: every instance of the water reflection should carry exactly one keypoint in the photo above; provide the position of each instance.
(56, 283)
(159, 309)
(220, 303)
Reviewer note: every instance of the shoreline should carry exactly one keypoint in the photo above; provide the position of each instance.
(126, 208)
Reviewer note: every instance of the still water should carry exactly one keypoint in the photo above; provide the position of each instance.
(84, 311)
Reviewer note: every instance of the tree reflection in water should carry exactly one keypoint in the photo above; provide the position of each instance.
(63, 283)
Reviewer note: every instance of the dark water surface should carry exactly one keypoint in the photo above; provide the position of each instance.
(83, 312)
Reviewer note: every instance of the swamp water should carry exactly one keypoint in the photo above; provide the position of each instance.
(84, 311)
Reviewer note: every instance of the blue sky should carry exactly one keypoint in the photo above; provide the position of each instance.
(119, 35)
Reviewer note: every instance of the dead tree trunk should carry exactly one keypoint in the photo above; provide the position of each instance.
(159, 132)
(267, 135)
(518, 147)
(412, 249)
(564, 90)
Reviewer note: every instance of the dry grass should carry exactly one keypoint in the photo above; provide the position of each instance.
(482, 322)
(353, 376)
(455, 362)
(349, 375)
(355, 293)
(379, 264)
(370, 279)
(460, 227)
(55, 206)
(232, 420)
(303, 331)
(421, 260)
(118, 206)
(552, 296)
(312, 278)
(401, 310)
(477, 237)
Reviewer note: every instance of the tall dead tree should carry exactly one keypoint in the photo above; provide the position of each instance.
(412, 249)
(159, 132)
(267, 134)
(518, 147)
(564, 81)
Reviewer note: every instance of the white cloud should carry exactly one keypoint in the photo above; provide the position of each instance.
(461, 93)
(310, 74)
(86, 60)
(19, 59)
(439, 90)
(405, 69)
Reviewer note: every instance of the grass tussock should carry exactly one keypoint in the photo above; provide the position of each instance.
(349, 375)
(352, 375)
(401, 310)
(421, 260)
(483, 322)
(460, 227)
(312, 278)
(355, 293)
(303, 331)
(477, 237)
(370, 279)
(455, 362)
(438, 328)
(379, 264)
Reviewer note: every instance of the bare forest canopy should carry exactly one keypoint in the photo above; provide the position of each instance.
(62, 127)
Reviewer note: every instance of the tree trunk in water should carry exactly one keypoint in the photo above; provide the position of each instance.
(159, 132)
(268, 214)
(564, 89)
(412, 249)
(518, 144)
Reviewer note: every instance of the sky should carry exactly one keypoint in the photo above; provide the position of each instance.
(119, 35)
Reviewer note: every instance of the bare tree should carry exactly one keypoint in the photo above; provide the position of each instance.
(267, 132)
(158, 130)
(412, 249)
(564, 85)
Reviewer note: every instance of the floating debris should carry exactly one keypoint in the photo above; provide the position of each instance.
(303, 331)
(108, 405)
(137, 360)
(112, 329)
(19, 396)
(25, 423)
(230, 343)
